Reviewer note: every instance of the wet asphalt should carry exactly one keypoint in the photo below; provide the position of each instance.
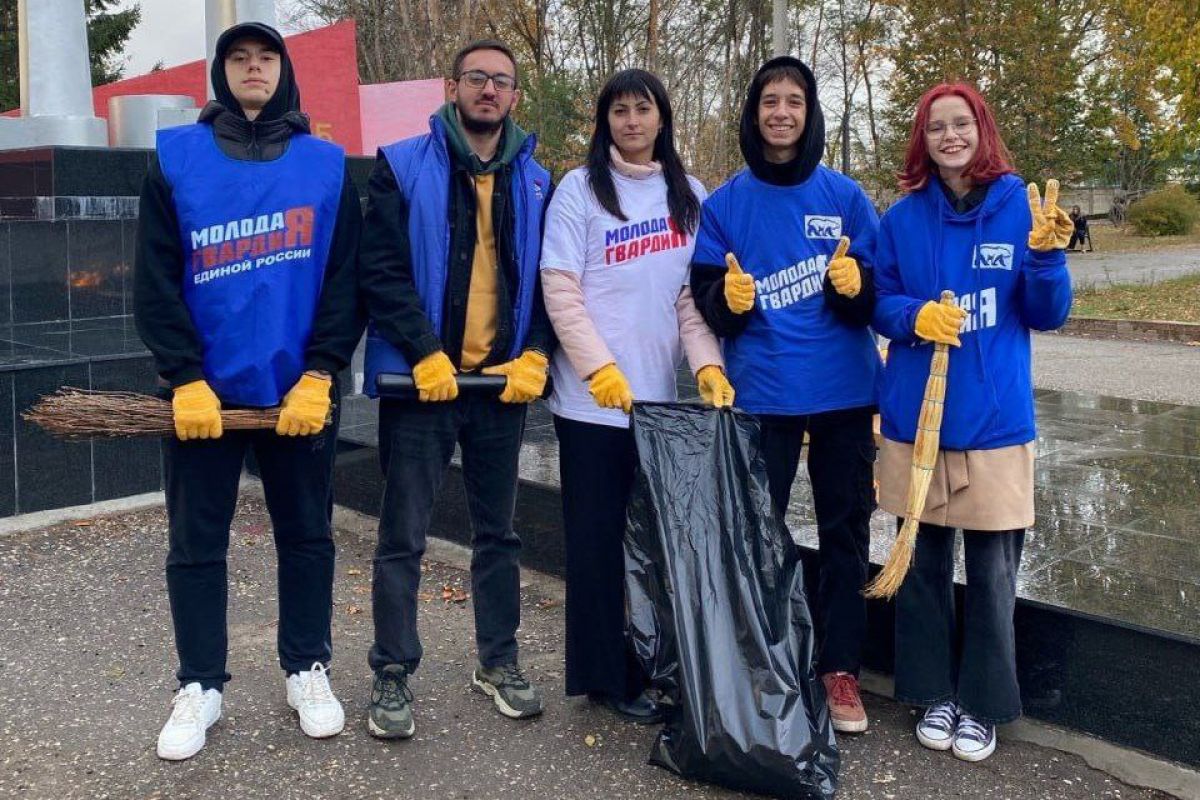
(86, 677)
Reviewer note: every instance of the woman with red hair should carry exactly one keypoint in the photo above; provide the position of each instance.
(967, 224)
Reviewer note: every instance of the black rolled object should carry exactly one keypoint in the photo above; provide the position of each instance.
(395, 385)
(717, 611)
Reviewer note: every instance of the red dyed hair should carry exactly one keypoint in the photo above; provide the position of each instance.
(991, 159)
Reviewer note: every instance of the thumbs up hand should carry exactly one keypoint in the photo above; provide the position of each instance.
(739, 286)
(1052, 227)
(843, 271)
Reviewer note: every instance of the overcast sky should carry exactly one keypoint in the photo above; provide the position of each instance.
(171, 31)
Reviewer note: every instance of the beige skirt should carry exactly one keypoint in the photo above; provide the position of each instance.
(979, 490)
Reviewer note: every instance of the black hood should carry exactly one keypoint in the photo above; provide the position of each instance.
(810, 148)
(286, 100)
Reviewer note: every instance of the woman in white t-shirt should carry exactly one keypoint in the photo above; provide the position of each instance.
(618, 242)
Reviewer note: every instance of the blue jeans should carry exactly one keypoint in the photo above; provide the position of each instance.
(932, 664)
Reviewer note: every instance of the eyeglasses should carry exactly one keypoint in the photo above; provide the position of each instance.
(477, 79)
(960, 126)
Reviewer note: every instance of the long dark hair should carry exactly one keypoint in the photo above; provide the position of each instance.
(681, 200)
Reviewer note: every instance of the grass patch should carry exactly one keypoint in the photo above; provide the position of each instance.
(1177, 300)
(1108, 239)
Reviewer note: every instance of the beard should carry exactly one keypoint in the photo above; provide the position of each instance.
(480, 126)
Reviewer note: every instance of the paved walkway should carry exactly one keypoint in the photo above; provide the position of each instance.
(1103, 269)
(1161, 371)
(85, 680)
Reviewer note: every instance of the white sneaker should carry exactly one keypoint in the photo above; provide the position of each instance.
(320, 712)
(936, 728)
(193, 712)
(974, 740)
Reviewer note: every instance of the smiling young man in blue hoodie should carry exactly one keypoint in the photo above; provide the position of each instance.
(792, 307)
(967, 225)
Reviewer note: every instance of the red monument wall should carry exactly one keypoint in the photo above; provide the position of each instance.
(326, 64)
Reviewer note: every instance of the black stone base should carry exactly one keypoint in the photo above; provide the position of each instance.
(1132, 686)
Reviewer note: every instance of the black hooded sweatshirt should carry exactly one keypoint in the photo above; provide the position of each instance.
(162, 317)
(708, 280)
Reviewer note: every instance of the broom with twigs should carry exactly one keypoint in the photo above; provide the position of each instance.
(72, 413)
(924, 457)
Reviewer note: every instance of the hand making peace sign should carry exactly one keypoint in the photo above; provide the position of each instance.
(1051, 226)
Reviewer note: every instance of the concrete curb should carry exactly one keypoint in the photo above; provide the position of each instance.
(1140, 330)
(54, 516)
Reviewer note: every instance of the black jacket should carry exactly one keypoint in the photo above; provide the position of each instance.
(708, 280)
(385, 264)
(162, 317)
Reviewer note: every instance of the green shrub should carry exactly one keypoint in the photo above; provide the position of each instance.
(1167, 212)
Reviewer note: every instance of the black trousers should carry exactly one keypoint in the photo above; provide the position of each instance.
(841, 452)
(416, 442)
(931, 663)
(202, 489)
(596, 467)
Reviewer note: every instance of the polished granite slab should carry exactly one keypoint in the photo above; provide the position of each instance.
(37, 344)
(1117, 489)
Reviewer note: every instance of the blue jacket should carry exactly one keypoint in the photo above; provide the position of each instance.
(422, 168)
(982, 256)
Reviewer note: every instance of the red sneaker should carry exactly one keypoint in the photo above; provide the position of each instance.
(845, 706)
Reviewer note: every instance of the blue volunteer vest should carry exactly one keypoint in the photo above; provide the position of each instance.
(256, 238)
(421, 165)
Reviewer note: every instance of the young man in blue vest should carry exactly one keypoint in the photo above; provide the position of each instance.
(449, 269)
(245, 293)
(797, 344)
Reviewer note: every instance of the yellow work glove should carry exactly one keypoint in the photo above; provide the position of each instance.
(434, 377)
(739, 286)
(610, 389)
(305, 407)
(937, 322)
(843, 271)
(526, 377)
(715, 388)
(1052, 227)
(197, 411)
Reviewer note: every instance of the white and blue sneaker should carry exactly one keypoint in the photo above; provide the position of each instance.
(973, 740)
(936, 728)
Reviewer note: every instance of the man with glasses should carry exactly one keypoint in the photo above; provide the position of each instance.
(449, 264)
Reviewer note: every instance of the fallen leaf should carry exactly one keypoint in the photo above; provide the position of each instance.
(447, 592)
(460, 596)
(548, 603)
(83, 523)
(354, 571)
(352, 609)
(591, 740)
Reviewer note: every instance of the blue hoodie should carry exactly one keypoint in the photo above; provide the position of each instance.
(982, 256)
(795, 356)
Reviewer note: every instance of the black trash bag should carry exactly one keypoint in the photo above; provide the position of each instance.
(718, 615)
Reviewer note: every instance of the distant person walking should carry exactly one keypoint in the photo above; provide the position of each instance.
(1081, 233)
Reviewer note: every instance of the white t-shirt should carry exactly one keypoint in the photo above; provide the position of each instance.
(631, 274)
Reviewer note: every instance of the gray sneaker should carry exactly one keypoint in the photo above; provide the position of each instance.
(391, 715)
(509, 689)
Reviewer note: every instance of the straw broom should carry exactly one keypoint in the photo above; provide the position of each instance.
(925, 452)
(74, 414)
